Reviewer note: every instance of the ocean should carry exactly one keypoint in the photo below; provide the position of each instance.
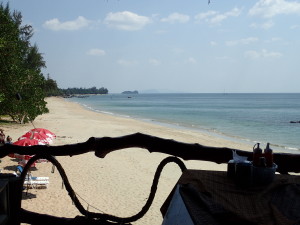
(249, 118)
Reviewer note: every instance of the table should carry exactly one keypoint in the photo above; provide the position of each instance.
(210, 197)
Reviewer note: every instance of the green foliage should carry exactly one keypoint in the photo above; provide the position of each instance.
(1, 97)
(20, 69)
(50, 87)
(92, 90)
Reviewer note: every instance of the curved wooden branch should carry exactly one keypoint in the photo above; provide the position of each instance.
(103, 146)
(101, 216)
(168, 146)
(44, 219)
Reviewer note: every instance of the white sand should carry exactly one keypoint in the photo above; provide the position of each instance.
(120, 183)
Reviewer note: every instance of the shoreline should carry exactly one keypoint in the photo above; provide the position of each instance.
(118, 184)
(245, 144)
(243, 125)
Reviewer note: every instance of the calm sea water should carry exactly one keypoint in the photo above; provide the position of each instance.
(247, 118)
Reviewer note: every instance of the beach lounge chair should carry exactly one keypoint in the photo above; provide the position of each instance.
(31, 181)
(36, 184)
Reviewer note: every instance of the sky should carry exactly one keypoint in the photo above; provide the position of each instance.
(194, 46)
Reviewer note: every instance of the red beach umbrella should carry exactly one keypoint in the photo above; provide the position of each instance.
(44, 136)
(44, 131)
(37, 136)
(26, 142)
(41, 138)
(23, 142)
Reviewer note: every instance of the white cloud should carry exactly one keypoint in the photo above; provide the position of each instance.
(126, 21)
(244, 41)
(219, 18)
(127, 63)
(77, 24)
(191, 60)
(176, 18)
(261, 54)
(205, 16)
(295, 27)
(213, 43)
(226, 59)
(214, 17)
(154, 62)
(271, 8)
(177, 51)
(267, 25)
(252, 54)
(273, 39)
(96, 52)
(161, 32)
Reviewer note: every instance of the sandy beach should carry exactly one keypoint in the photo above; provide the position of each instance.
(120, 183)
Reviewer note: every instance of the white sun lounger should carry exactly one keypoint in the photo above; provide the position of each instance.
(37, 184)
(38, 178)
(33, 182)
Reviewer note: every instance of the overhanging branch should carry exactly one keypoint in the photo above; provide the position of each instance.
(103, 146)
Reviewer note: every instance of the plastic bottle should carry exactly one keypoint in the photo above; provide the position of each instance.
(269, 155)
(257, 153)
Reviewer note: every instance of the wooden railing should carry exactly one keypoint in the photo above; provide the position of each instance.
(102, 146)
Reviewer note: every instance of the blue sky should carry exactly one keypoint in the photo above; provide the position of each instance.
(168, 45)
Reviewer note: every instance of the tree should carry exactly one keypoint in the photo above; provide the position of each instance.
(20, 69)
(51, 88)
(92, 90)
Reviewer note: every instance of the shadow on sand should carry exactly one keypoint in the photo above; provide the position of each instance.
(14, 168)
(26, 195)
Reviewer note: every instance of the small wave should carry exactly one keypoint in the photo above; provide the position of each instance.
(104, 112)
(191, 125)
(293, 149)
(113, 114)
(249, 141)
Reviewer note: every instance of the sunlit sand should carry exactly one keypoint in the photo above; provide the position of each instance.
(120, 183)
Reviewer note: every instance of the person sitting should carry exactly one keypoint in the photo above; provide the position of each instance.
(8, 140)
(2, 137)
